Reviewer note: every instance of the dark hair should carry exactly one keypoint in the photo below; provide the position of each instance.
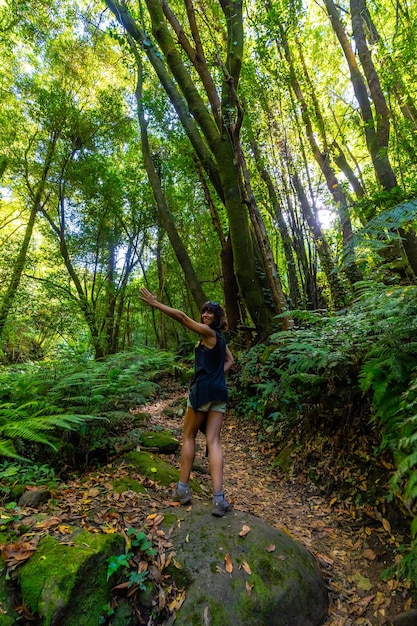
(220, 320)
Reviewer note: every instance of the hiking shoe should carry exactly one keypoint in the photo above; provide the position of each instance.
(220, 507)
(181, 495)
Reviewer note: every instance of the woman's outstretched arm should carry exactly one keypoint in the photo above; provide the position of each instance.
(176, 314)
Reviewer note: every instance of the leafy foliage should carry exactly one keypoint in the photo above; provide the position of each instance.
(38, 403)
(362, 357)
(138, 545)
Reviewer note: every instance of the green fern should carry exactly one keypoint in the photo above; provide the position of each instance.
(38, 403)
(8, 450)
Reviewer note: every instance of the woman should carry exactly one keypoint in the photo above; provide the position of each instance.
(208, 396)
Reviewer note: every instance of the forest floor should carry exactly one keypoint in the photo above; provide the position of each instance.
(352, 548)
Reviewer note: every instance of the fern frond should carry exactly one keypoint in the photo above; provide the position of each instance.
(391, 219)
(407, 463)
(410, 489)
(8, 450)
(37, 428)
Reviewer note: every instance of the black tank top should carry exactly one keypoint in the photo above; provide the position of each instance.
(209, 382)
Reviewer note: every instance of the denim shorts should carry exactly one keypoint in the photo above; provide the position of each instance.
(213, 405)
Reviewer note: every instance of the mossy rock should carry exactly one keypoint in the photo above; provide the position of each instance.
(151, 466)
(286, 585)
(65, 585)
(162, 440)
(285, 459)
(16, 491)
(121, 485)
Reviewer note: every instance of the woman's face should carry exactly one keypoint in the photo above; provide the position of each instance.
(207, 317)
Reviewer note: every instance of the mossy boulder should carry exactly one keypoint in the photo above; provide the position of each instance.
(264, 578)
(286, 458)
(65, 585)
(163, 441)
(151, 466)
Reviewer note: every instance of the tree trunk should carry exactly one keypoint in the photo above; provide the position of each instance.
(337, 290)
(377, 152)
(19, 264)
(386, 175)
(295, 295)
(230, 286)
(321, 156)
(165, 214)
(380, 157)
(37, 204)
(86, 308)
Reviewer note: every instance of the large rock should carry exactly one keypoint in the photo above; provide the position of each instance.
(264, 578)
(66, 585)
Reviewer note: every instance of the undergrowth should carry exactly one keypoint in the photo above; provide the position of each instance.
(353, 370)
(40, 403)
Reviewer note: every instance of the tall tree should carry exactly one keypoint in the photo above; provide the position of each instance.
(220, 128)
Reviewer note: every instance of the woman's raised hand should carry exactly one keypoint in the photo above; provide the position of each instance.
(147, 296)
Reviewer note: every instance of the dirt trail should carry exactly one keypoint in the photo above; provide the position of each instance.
(352, 551)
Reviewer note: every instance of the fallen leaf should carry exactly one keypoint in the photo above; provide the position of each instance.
(249, 588)
(49, 523)
(229, 564)
(386, 525)
(244, 531)
(121, 586)
(369, 554)
(155, 573)
(161, 599)
(177, 602)
(93, 492)
(246, 567)
(271, 548)
(325, 559)
(17, 551)
(362, 583)
(365, 601)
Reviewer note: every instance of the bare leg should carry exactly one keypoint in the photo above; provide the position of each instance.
(214, 426)
(192, 422)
